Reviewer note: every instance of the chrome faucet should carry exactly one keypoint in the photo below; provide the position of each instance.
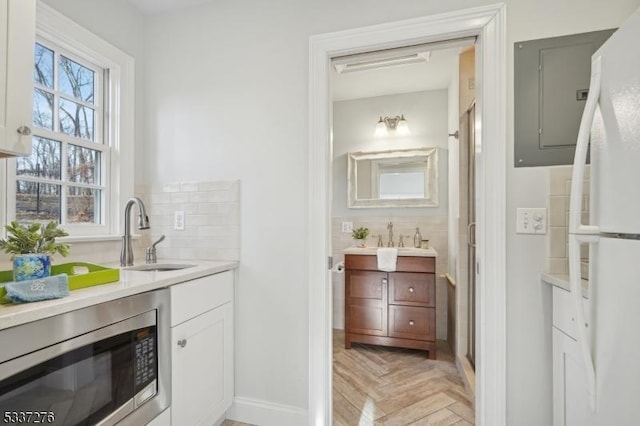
(390, 228)
(126, 253)
(151, 256)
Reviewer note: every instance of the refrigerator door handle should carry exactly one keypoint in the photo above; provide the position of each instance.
(582, 148)
(575, 284)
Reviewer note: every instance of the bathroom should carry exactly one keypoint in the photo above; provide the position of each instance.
(427, 95)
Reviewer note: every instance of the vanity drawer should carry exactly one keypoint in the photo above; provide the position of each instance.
(404, 263)
(412, 322)
(412, 289)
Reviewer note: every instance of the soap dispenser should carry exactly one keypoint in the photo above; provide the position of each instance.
(417, 238)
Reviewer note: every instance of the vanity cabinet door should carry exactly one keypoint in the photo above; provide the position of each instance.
(202, 367)
(366, 301)
(17, 40)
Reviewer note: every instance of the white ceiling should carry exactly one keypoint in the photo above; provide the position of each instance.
(151, 7)
(432, 75)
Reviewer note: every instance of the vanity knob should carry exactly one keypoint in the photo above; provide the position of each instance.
(182, 343)
(24, 130)
(411, 290)
(411, 322)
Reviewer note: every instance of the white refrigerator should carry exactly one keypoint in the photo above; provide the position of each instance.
(608, 332)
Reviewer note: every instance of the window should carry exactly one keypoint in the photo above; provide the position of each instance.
(63, 179)
(80, 173)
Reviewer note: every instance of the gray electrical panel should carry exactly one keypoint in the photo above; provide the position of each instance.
(551, 84)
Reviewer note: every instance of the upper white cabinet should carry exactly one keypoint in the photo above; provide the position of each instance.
(17, 39)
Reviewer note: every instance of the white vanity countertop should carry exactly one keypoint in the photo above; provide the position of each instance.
(131, 282)
(562, 281)
(402, 251)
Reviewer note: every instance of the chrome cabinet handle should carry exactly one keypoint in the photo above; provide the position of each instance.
(24, 130)
(469, 234)
(411, 322)
(411, 290)
(384, 281)
(182, 343)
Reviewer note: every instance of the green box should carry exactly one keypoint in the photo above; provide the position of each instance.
(96, 275)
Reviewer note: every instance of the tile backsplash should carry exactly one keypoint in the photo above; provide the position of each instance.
(212, 225)
(559, 192)
(211, 219)
(433, 228)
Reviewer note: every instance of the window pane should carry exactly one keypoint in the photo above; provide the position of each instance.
(44, 161)
(43, 109)
(76, 120)
(83, 205)
(84, 165)
(37, 201)
(75, 80)
(43, 69)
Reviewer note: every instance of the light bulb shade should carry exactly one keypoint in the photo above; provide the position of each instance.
(381, 128)
(402, 128)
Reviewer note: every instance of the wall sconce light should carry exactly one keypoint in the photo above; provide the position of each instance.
(397, 125)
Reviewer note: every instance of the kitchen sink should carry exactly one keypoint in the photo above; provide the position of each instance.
(160, 267)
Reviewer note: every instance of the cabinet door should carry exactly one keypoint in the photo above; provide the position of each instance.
(366, 302)
(202, 367)
(17, 40)
(570, 397)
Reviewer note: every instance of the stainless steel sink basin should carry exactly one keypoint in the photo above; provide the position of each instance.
(160, 267)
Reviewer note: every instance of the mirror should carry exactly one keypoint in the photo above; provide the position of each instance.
(401, 178)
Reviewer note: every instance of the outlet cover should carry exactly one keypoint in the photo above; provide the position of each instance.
(347, 226)
(531, 221)
(178, 220)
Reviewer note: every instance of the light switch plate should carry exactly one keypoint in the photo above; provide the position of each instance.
(531, 221)
(347, 226)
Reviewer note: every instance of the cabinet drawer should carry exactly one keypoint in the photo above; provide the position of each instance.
(564, 312)
(198, 296)
(412, 322)
(404, 263)
(412, 289)
(366, 285)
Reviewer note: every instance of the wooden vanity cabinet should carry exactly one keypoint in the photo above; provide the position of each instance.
(391, 308)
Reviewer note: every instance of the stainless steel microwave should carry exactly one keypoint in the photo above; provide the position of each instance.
(100, 365)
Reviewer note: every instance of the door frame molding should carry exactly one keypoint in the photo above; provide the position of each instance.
(488, 23)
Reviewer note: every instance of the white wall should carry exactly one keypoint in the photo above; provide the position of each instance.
(354, 123)
(225, 97)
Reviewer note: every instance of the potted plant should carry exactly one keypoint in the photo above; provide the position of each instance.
(359, 236)
(32, 246)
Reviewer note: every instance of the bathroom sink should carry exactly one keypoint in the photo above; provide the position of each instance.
(160, 267)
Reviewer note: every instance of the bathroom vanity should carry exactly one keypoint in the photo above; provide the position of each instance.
(391, 308)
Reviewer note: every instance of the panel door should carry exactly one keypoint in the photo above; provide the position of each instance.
(366, 302)
(570, 396)
(202, 368)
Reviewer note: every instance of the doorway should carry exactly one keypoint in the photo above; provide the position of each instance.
(488, 24)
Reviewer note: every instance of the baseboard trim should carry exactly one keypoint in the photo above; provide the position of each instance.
(266, 413)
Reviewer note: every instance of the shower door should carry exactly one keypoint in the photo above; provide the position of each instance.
(470, 118)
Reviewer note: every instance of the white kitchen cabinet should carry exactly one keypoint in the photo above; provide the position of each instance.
(202, 349)
(570, 395)
(17, 40)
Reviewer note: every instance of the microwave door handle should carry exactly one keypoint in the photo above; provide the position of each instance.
(582, 148)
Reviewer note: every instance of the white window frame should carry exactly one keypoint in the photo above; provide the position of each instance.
(58, 30)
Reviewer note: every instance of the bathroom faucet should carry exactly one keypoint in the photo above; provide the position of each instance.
(126, 254)
(390, 228)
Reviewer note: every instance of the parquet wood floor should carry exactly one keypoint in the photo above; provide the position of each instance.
(376, 385)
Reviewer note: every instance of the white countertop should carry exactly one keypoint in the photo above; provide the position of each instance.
(402, 251)
(131, 282)
(562, 281)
